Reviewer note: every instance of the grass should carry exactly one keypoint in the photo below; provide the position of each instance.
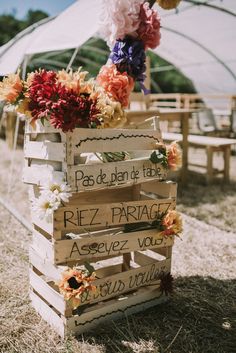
(214, 204)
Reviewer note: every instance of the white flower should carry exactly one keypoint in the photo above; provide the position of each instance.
(119, 18)
(44, 206)
(60, 191)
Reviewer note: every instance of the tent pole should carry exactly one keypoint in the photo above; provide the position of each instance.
(24, 66)
(13, 156)
(72, 59)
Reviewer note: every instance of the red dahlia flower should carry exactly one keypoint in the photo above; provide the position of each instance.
(43, 91)
(72, 111)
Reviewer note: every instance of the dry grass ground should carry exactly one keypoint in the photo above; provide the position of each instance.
(199, 318)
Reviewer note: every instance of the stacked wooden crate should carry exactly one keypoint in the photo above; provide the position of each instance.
(106, 223)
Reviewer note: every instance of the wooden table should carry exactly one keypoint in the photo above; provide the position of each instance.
(168, 114)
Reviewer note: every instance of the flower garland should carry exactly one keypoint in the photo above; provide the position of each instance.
(167, 223)
(171, 223)
(169, 156)
(129, 27)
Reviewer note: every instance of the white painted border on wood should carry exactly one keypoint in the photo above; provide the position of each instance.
(45, 150)
(114, 140)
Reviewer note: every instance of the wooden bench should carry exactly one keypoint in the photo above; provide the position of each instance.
(211, 144)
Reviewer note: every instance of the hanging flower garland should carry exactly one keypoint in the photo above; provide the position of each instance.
(170, 156)
(129, 28)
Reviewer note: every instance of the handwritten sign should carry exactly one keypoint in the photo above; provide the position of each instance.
(87, 217)
(105, 175)
(114, 140)
(109, 245)
(127, 281)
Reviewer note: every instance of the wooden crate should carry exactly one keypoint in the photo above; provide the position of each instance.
(94, 224)
(53, 155)
(107, 222)
(119, 291)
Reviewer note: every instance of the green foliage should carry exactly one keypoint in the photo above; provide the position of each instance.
(11, 26)
(34, 16)
(167, 78)
(159, 156)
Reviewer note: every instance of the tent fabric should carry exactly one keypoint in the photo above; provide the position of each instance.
(199, 40)
(70, 29)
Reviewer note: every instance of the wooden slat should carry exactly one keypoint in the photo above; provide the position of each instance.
(81, 217)
(43, 246)
(160, 189)
(105, 175)
(43, 224)
(49, 293)
(42, 253)
(47, 313)
(165, 251)
(108, 287)
(108, 245)
(113, 140)
(143, 260)
(39, 176)
(142, 299)
(45, 150)
(41, 128)
(123, 194)
(44, 265)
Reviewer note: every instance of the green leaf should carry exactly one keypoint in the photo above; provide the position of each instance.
(154, 157)
(89, 268)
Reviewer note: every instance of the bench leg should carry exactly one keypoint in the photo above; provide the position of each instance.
(226, 154)
(209, 174)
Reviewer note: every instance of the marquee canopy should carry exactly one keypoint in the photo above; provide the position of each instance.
(199, 39)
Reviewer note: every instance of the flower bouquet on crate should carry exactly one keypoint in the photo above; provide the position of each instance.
(65, 103)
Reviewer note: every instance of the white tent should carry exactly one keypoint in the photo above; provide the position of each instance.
(198, 39)
(201, 42)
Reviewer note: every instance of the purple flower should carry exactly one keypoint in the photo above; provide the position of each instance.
(129, 55)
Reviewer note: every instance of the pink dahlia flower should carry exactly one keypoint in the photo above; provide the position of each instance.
(117, 85)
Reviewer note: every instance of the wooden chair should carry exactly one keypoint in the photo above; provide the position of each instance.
(206, 121)
(211, 145)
